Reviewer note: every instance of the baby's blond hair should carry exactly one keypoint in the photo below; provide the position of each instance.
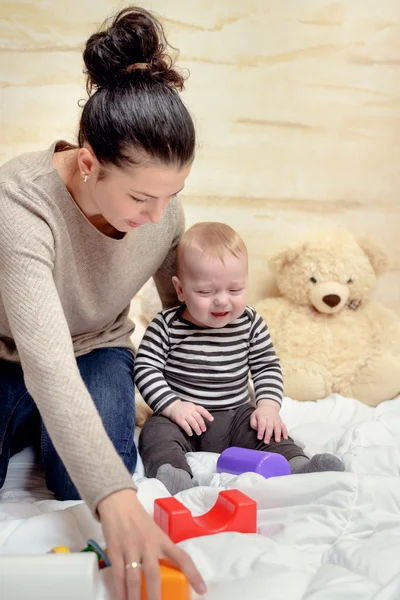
(214, 240)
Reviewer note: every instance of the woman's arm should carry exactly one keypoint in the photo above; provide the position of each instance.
(44, 344)
(163, 276)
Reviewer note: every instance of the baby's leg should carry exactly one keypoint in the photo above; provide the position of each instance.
(162, 447)
(318, 463)
(244, 436)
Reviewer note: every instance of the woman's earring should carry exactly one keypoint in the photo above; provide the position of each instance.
(85, 178)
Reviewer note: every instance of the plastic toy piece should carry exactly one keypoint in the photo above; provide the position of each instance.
(60, 550)
(102, 555)
(174, 585)
(233, 511)
(92, 546)
(242, 460)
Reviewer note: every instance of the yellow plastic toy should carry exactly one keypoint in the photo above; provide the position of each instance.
(60, 550)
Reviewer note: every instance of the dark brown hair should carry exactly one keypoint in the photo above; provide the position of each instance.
(135, 112)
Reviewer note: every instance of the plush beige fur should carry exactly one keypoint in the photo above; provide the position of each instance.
(143, 411)
(352, 347)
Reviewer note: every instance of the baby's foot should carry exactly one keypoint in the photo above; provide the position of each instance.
(175, 480)
(318, 463)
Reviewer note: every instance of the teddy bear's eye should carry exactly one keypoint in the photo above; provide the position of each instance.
(313, 279)
(350, 280)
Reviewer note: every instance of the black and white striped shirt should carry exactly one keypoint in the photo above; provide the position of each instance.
(177, 360)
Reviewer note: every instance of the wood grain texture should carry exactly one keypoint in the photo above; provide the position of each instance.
(297, 107)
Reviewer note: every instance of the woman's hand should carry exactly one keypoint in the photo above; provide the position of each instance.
(132, 536)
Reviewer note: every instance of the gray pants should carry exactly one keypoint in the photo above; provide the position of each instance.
(162, 441)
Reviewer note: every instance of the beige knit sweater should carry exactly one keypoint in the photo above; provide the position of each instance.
(65, 289)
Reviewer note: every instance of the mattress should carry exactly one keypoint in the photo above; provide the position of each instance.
(322, 536)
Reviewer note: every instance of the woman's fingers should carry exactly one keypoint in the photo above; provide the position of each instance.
(133, 578)
(151, 571)
(186, 565)
(118, 572)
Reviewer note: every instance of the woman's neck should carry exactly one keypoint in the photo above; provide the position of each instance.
(66, 164)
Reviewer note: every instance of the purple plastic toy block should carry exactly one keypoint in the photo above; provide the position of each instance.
(242, 460)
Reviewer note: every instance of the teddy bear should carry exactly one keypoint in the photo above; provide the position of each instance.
(328, 332)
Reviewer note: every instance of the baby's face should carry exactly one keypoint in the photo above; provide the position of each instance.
(215, 291)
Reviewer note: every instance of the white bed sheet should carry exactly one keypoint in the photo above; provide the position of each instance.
(325, 536)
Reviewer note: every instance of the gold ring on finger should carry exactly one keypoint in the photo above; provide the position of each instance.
(133, 565)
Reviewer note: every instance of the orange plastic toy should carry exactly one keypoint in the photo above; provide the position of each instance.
(174, 585)
(233, 511)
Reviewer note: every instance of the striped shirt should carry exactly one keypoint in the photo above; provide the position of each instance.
(177, 360)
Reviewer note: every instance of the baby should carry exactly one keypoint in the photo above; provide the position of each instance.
(193, 364)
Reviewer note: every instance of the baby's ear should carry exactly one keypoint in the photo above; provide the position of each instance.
(178, 288)
(284, 256)
(376, 255)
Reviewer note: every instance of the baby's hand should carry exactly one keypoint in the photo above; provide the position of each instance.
(266, 420)
(189, 416)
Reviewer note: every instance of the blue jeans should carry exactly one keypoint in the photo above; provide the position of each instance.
(108, 375)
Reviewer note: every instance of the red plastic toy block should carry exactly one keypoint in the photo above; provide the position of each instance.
(233, 511)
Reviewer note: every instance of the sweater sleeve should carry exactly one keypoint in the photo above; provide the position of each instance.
(149, 366)
(43, 340)
(163, 276)
(263, 362)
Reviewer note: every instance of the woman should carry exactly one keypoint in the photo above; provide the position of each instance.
(81, 230)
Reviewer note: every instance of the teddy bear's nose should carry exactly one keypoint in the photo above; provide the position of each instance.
(331, 300)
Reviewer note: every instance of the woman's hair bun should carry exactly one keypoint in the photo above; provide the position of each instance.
(133, 44)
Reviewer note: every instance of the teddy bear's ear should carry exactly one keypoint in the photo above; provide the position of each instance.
(283, 257)
(377, 256)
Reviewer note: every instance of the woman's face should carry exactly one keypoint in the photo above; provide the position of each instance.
(134, 196)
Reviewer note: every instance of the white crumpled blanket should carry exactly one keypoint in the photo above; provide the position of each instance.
(322, 536)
